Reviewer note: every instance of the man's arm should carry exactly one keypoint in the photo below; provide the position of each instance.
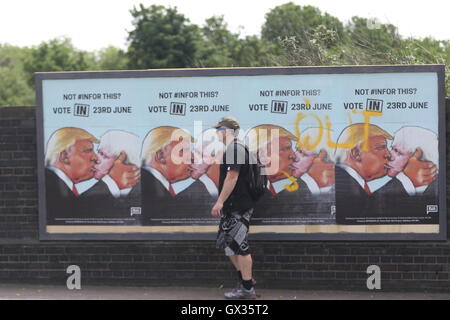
(228, 186)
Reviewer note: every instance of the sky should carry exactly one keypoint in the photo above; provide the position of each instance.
(96, 24)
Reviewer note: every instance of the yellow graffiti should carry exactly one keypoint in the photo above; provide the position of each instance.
(349, 145)
(307, 102)
(335, 145)
(367, 115)
(306, 145)
(294, 185)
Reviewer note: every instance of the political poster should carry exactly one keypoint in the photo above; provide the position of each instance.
(350, 152)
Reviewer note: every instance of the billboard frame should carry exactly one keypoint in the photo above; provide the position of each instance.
(215, 72)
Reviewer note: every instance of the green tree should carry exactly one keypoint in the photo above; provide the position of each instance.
(373, 36)
(219, 47)
(216, 44)
(111, 58)
(57, 55)
(15, 90)
(422, 51)
(313, 51)
(161, 38)
(255, 52)
(290, 20)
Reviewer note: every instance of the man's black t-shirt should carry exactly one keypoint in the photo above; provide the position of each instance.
(236, 158)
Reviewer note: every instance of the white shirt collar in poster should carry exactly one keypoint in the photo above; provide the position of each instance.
(420, 190)
(85, 185)
(114, 188)
(158, 176)
(355, 175)
(376, 184)
(209, 185)
(177, 186)
(373, 185)
(409, 186)
(182, 185)
(63, 177)
(407, 183)
(279, 185)
(313, 186)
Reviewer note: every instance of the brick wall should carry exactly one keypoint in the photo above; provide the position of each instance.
(18, 179)
(415, 266)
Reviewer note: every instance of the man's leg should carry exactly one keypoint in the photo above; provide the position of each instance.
(245, 263)
(246, 290)
(234, 261)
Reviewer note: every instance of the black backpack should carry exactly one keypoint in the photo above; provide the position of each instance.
(257, 181)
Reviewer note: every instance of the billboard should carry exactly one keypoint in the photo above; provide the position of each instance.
(360, 152)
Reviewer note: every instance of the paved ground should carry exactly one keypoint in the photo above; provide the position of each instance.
(11, 291)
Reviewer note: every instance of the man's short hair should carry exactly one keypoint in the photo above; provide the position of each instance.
(117, 141)
(62, 139)
(258, 137)
(313, 133)
(230, 123)
(354, 136)
(159, 137)
(417, 137)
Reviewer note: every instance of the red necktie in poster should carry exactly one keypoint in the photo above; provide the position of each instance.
(172, 192)
(75, 191)
(366, 189)
(272, 189)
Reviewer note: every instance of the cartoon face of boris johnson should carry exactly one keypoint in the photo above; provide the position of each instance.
(407, 140)
(112, 144)
(314, 158)
(414, 155)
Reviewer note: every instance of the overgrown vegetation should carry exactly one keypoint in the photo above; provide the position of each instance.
(162, 37)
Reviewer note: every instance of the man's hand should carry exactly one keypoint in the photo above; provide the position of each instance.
(321, 171)
(420, 172)
(125, 175)
(228, 186)
(215, 212)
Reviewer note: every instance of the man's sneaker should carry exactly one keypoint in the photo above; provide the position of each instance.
(241, 293)
(239, 284)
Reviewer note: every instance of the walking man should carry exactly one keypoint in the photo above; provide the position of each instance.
(234, 206)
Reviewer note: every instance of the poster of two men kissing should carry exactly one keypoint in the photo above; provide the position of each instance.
(351, 152)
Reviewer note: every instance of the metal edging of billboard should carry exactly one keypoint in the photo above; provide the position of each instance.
(218, 72)
(442, 175)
